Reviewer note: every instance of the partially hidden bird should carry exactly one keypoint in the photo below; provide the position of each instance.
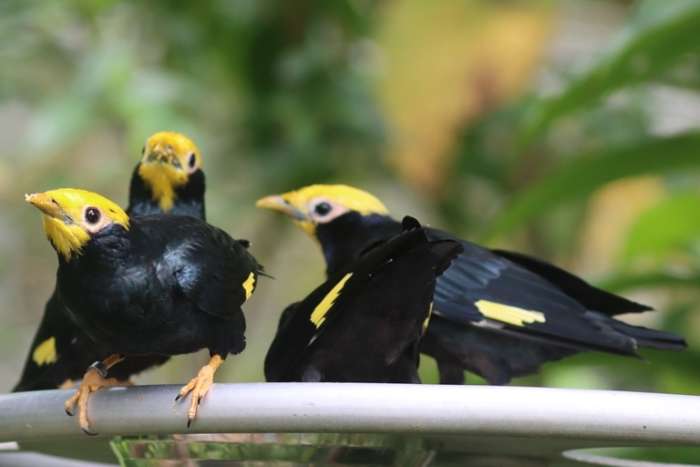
(168, 179)
(498, 314)
(364, 324)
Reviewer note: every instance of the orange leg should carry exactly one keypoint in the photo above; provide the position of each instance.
(199, 386)
(116, 358)
(93, 380)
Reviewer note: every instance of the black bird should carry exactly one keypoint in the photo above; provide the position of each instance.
(151, 285)
(498, 314)
(365, 322)
(169, 179)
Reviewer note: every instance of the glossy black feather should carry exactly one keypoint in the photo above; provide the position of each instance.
(578, 316)
(189, 198)
(591, 297)
(70, 344)
(344, 239)
(76, 351)
(493, 354)
(479, 275)
(169, 285)
(371, 331)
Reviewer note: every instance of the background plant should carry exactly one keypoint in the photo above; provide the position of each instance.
(568, 130)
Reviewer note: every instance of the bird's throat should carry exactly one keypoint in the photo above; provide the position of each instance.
(67, 239)
(162, 180)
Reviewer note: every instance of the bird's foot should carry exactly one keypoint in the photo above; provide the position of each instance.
(199, 386)
(92, 381)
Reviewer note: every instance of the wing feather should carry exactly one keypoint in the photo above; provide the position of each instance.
(483, 288)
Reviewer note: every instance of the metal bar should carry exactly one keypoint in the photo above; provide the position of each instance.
(609, 416)
(29, 459)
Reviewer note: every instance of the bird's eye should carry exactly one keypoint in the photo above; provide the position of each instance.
(92, 215)
(322, 208)
(192, 161)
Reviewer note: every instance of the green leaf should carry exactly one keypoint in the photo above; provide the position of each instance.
(647, 49)
(624, 282)
(586, 173)
(670, 226)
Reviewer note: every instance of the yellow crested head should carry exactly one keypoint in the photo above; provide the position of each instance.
(72, 216)
(169, 158)
(320, 204)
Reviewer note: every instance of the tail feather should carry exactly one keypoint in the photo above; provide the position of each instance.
(494, 356)
(650, 338)
(261, 272)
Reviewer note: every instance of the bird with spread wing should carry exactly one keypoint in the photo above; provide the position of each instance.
(496, 313)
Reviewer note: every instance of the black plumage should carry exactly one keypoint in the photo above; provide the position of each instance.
(55, 368)
(189, 198)
(365, 322)
(168, 285)
(72, 349)
(156, 285)
(501, 350)
(498, 314)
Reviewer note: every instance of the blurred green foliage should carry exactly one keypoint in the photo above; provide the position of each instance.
(585, 173)
(654, 41)
(284, 94)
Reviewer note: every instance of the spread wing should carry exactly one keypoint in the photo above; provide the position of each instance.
(591, 297)
(483, 288)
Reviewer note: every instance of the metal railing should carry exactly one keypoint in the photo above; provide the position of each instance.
(467, 419)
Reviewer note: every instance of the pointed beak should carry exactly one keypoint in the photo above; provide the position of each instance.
(45, 204)
(279, 204)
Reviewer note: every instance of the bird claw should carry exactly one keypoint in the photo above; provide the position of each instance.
(92, 381)
(199, 387)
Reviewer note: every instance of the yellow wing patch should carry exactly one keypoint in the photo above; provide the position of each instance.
(509, 314)
(249, 285)
(318, 316)
(45, 353)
